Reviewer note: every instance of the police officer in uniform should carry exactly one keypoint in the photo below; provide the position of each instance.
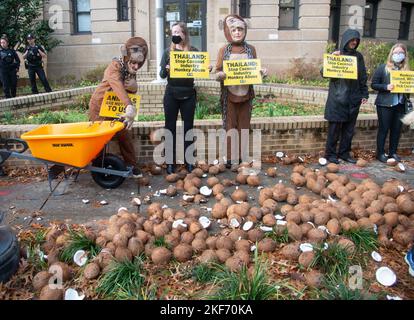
(34, 55)
(9, 67)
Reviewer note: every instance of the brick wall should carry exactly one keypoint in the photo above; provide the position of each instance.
(295, 135)
(152, 97)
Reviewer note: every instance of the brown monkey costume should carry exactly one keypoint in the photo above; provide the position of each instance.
(236, 101)
(120, 78)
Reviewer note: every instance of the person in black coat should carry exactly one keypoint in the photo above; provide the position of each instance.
(344, 100)
(9, 67)
(180, 96)
(34, 55)
(390, 106)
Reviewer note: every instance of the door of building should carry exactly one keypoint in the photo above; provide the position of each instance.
(192, 12)
(334, 21)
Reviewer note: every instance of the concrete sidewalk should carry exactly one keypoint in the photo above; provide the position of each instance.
(22, 202)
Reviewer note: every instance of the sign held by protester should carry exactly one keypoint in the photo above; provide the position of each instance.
(403, 81)
(112, 107)
(242, 72)
(189, 64)
(340, 66)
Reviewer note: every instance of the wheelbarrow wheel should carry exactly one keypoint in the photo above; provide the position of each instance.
(108, 181)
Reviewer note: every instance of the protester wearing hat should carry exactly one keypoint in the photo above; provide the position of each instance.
(34, 55)
(9, 67)
(120, 77)
(236, 101)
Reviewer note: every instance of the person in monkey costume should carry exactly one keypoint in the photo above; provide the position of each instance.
(236, 101)
(120, 77)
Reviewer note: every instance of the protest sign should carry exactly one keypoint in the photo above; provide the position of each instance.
(344, 67)
(112, 107)
(242, 72)
(403, 81)
(189, 64)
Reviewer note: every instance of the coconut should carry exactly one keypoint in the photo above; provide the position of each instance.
(239, 195)
(306, 258)
(243, 255)
(316, 235)
(160, 255)
(272, 172)
(297, 179)
(242, 245)
(214, 170)
(241, 178)
(332, 168)
(187, 237)
(51, 293)
(219, 211)
(253, 180)
(292, 199)
(269, 220)
(199, 245)
(321, 218)
(362, 163)
(172, 178)
(218, 189)
(182, 252)
(333, 226)
(266, 245)
(92, 271)
(122, 253)
(234, 264)
(40, 280)
(223, 254)
(224, 242)
(291, 251)
(212, 181)
(347, 244)
(293, 216)
(294, 231)
(208, 256)
(136, 246)
(313, 279)
(255, 235)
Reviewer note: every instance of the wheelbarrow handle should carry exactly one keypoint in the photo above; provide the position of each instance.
(9, 144)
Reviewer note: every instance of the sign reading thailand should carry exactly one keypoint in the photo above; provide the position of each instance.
(242, 72)
(189, 64)
(344, 67)
(403, 81)
(112, 107)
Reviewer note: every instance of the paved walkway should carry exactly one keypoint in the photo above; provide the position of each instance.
(21, 202)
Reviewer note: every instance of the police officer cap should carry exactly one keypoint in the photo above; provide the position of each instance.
(30, 36)
(4, 37)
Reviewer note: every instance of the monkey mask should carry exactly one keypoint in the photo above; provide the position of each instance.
(134, 53)
(235, 29)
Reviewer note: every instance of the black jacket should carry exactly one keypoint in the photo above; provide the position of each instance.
(9, 60)
(380, 81)
(34, 58)
(345, 95)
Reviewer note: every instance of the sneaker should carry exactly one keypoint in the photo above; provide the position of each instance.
(136, 172)
(333, 160)
(409, 258)
(395, 156)
(2, 173)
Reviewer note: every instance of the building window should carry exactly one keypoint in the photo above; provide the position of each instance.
(288, 14)
(370, 19)
(244, 8)
(82, 16)
(123, 10)
(405, 21)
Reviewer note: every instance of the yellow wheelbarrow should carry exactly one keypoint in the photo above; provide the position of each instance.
(79, 145)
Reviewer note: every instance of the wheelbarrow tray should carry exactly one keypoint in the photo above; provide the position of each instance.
(74, 144)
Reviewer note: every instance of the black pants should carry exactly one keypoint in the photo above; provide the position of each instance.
(342, 131)
(42, 76)
(389, 121)
(9, 80)
(171, 108)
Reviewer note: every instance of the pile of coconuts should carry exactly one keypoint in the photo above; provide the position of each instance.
(334, 204)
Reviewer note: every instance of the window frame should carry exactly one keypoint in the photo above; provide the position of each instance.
(406, 35)
(120, 7)
(248, 5)
(295, 17)
(373, 28)
(75, 18)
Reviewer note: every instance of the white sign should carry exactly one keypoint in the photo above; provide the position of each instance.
(173, 16)
(197, 23)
